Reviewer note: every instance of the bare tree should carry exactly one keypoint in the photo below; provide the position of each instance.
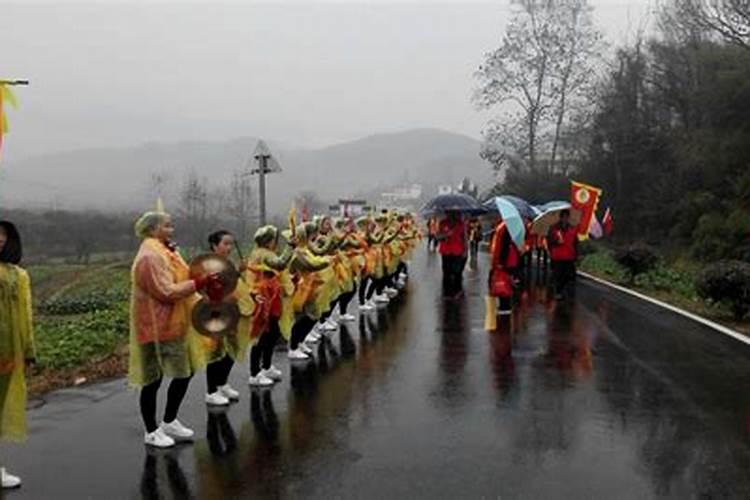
(538, 76)
(194, 210)
(727, 19)
(240, 204)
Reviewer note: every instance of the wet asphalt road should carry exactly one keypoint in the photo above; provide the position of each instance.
(602, 397)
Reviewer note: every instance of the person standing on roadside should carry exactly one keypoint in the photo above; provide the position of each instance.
(562, 240)
(452, 246)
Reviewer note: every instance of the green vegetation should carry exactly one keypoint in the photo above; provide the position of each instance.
(82, 313)
(720, 291)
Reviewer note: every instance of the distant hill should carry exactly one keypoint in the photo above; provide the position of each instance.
(117, 179)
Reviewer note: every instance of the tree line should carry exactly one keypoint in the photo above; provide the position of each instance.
(660, 123)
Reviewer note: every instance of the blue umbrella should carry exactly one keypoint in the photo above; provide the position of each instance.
(512, 218)
(453, 202)
(525, 209)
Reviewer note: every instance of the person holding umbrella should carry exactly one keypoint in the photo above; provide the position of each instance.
(504, 266)
(563, 249)
(452, 246)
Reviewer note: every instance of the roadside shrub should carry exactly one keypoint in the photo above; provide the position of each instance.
(93, 302)
(727, 282)
(637, 259)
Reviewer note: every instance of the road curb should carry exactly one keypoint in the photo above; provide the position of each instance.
(706, 322)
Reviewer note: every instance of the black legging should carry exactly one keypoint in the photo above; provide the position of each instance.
(324, 317)
(363, 284)
(217, 373)
(376, 284)
(402, 268)
(262, 352)
(175, 395)
(300, 330)
(345, 299)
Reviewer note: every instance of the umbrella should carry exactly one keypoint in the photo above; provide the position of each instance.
(513, 220)
(525, 209)
(550, 215)
(453, 202)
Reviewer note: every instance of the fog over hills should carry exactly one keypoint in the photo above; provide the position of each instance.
(122, 178)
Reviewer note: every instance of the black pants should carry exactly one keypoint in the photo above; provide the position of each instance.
(563, 273)
(217, 373)
(376, 285)
(453, 268)
(363, 285)
(261, 354)
(345, 299)
(402, 268)
(301, 328)
(175, 395)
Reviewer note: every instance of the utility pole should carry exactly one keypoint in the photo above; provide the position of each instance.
(267, 164)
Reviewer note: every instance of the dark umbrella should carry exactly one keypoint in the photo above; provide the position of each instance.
(453, 202)
(525, 209)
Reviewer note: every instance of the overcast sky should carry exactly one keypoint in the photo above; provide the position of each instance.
(116, 74)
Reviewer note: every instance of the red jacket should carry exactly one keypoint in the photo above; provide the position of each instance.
(455, 238)
(503, 250)
(563, 243)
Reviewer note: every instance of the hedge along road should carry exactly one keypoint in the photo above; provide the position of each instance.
(604, 396)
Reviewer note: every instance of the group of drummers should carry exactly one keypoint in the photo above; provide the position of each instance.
(296, 285)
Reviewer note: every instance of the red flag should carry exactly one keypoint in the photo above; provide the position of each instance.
(585, 199)
(608, 223)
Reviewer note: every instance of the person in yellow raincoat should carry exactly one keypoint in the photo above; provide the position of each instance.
(350, 252)
(161, 341)
(336, 279)
(365, 227)
(264, 273)
(377, 260)
(223, 352)
(310, 295)
(16, 341)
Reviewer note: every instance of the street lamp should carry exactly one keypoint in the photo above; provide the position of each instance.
(267, 164)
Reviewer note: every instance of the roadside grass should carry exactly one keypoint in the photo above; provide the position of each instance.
(670, 281)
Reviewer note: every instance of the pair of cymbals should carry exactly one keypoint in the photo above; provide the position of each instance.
(215, 318)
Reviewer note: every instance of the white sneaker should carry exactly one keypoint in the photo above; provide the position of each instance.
(297, 354)
(329, 326)
(229, 392)
(367, 306)
(157, 439)
(273, 373)
(260, 380)
(176, 430)
(9, 480)
(391, 292)
(312, 337)
(402, 277)
(305, 348)
(217, 399)
(348, 317)
(382, 299)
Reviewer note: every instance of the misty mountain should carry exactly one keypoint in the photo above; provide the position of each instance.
(123, 178)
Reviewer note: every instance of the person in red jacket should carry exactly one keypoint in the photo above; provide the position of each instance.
(562, 240)
(504, 256)
(452, 247)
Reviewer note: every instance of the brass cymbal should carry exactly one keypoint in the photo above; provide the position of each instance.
(214, 319)
(225, 271)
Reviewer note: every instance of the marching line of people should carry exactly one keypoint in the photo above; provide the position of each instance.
(296, 285)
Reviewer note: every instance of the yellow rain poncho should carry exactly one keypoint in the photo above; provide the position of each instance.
(162, 343)
(311, 295)
(266, 274)
(16, 346)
